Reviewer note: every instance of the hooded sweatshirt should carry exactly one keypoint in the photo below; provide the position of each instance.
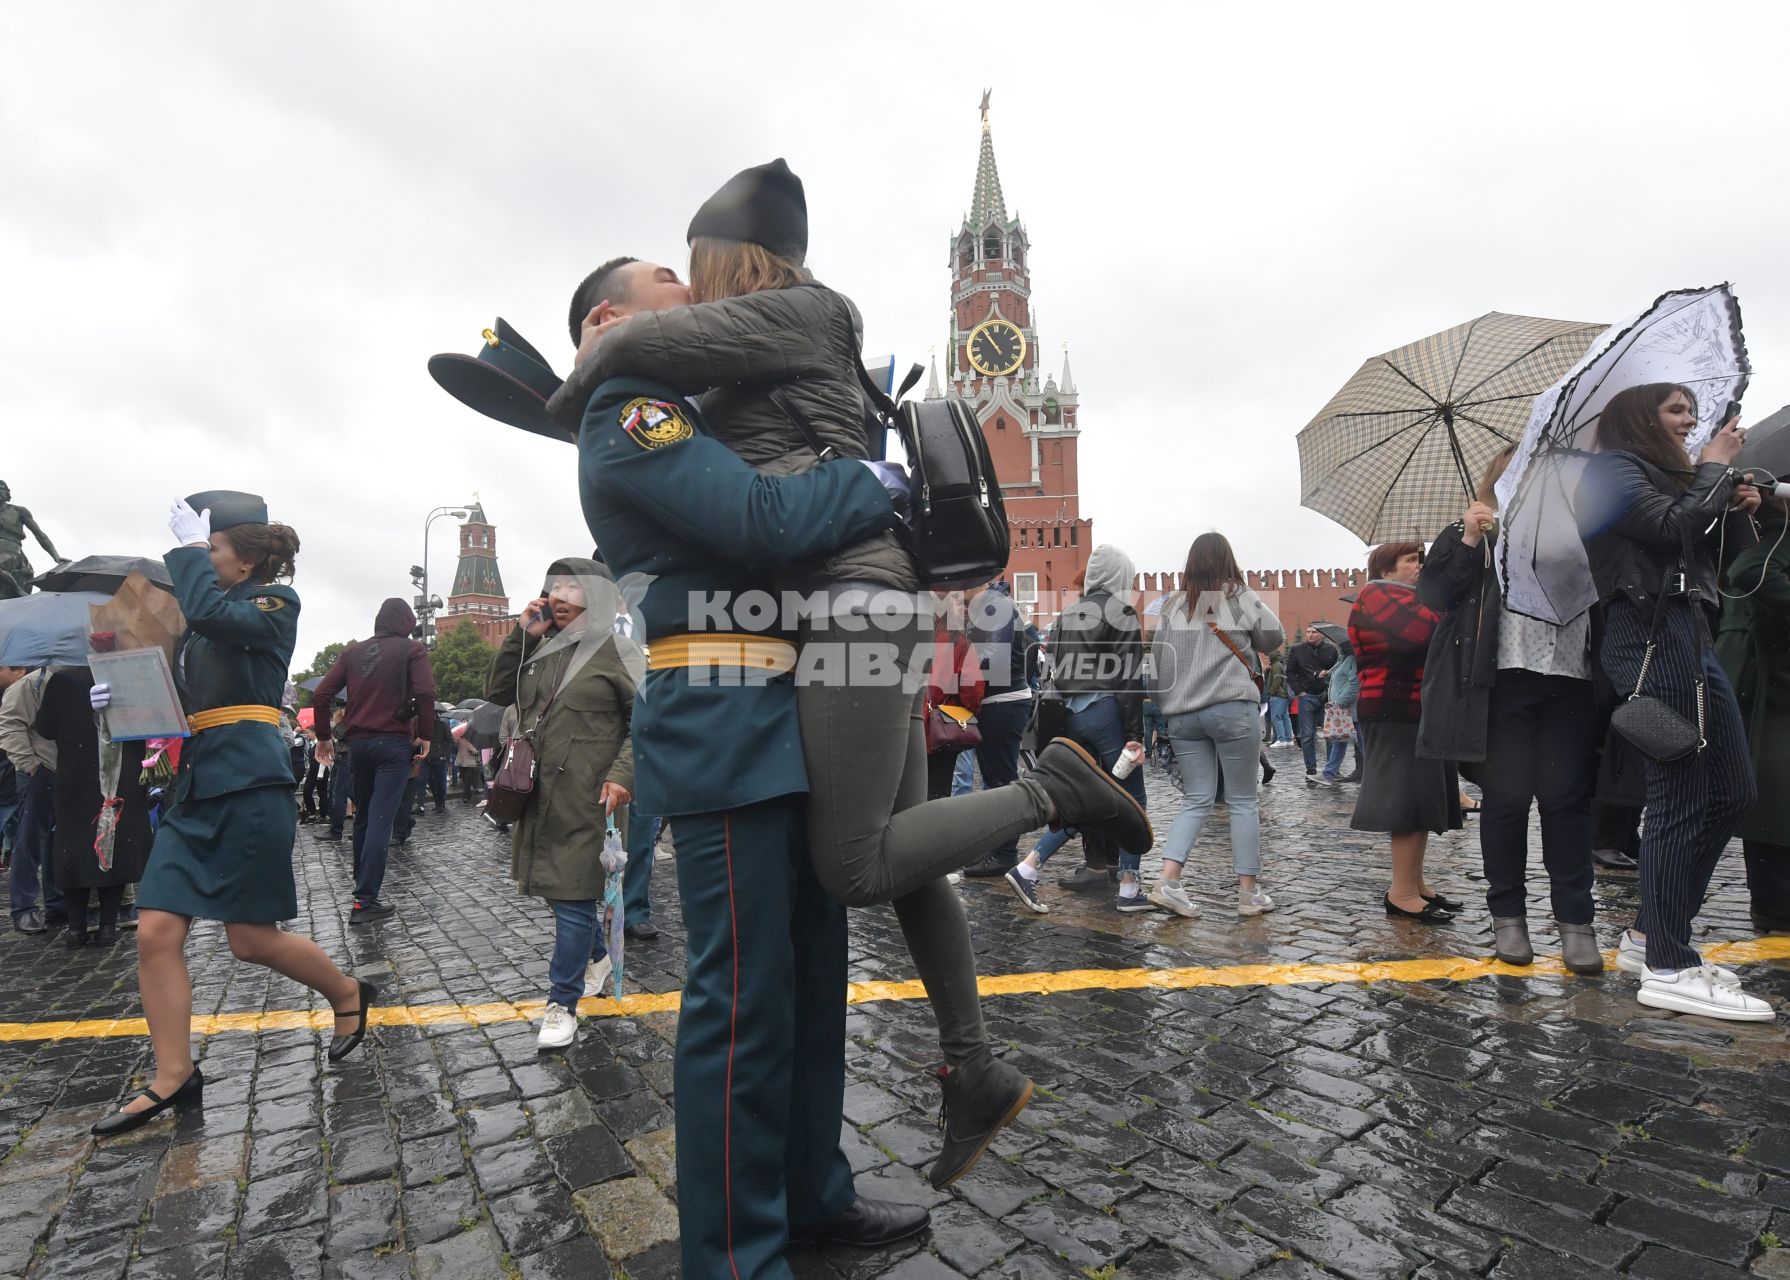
(391, 686)
(1096, 645)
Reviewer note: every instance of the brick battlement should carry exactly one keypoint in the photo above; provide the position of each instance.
(1297, 596)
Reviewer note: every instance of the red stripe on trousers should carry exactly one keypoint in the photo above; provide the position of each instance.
(733, 1020)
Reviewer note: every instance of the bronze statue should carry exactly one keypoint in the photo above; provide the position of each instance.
(15, 569)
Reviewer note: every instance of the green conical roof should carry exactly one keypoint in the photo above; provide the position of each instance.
(987, 204)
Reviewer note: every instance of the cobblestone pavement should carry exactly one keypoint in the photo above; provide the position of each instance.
(1507, 1126)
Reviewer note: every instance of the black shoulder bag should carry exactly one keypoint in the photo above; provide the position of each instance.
(1651, 726)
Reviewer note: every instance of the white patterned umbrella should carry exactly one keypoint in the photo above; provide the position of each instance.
(1394, 453)
(1691, 337)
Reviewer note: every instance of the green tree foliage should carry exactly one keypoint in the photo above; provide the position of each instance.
(460, 658)
(325, 659)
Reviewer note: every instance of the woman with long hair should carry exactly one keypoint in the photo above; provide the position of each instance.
(1652, 521)
(1402, 794)
(775, 356)
(1204, 658)
(1520, 700)
(224, 851)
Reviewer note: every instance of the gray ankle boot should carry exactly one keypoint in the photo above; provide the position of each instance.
(1510, 940)
(1578, 948)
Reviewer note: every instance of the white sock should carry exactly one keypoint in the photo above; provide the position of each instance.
(1128, 888)
(1027, 870)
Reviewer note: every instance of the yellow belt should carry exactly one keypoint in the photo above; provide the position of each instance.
(721, 649)
(203, 720)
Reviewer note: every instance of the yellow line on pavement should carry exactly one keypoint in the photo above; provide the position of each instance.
(1428, 969)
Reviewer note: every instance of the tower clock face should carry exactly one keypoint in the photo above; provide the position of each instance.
(996, 347)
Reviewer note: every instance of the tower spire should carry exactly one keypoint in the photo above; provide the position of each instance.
(987, 203)
(1067, 386)
(932, 383)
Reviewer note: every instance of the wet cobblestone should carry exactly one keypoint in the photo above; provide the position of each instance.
(1508, 1126)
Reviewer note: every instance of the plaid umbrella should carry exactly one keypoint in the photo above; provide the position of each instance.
(1688, 336)
(1392, 454)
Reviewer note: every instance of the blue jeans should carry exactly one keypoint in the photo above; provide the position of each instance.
(341, 778)
(577, 940)
(643, 833)
(1280, 716)
(9, 823)
(1214, 740)
(1311, 719)
(31, 846)
(1100, 730)
(381, 768)
(1050, 842)
(963, 774)
(1003, 724)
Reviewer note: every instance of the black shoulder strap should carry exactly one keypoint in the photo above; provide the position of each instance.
(800, 419)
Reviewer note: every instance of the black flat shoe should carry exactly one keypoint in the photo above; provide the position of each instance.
(106, 936)
(1432, 913)
(645, 931)
(341, 1046)
(122, 1121)
(1444, 903)
(868, 1224)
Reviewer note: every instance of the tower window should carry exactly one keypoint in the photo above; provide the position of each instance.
(1056, 537)
(991, 246)
(1000, 424)
(1073, 540)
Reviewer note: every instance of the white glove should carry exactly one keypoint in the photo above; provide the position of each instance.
(895, 484)
(99, 697)
(190, 528)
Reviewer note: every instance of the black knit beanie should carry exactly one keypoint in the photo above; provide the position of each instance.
(762, 206)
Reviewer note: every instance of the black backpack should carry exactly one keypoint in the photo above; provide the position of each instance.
(958, 531)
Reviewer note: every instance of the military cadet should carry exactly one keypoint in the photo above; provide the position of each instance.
(224, 851)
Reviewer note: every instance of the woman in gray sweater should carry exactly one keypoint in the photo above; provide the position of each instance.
(1203, 677)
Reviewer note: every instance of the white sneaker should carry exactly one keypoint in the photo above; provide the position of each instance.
(953, 877)
(558, 1028)
(1253, 904)
(596, 977)
(1702, 991)
(1631, 957)
(1170, 896)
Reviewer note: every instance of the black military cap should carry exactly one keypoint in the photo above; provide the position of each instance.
(763, 206)
(230, 508)
(508, 380)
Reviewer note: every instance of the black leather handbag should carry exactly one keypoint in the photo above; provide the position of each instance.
(1649, 725)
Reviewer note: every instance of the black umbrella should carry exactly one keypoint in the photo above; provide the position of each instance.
(310, 686)
(1334, 632)
(102, 573)
(1768, 445)
(485, 729)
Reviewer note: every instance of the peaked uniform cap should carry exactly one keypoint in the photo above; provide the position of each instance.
(508, 380)
(230, 507)
(764, 205)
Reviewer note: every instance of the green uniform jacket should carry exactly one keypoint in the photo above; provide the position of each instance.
(1753, 645)
(556, 845)
(678, 511)
(236, 652)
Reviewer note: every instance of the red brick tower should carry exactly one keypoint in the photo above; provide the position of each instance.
(478, 592)
(1029, 420)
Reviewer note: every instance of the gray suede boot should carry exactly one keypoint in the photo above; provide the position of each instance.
(1578, 948)
(1510, 940)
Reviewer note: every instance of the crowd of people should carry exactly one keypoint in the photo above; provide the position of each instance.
(791, 797)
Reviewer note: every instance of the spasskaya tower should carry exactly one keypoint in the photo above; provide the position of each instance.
(1028, 418)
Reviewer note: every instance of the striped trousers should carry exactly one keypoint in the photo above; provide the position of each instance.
(1693, 804)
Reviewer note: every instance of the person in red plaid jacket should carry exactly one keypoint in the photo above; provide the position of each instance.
(1401, 794)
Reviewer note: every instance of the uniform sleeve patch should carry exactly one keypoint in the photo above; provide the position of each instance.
(268, 604)
(653, 424)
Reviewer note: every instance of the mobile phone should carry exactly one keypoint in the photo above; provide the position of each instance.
(1732, 413)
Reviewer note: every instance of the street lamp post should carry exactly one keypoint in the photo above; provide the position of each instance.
(426, 609)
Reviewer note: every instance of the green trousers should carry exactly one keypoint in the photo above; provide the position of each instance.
(760, 1063)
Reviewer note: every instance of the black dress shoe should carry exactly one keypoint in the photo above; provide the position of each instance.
(76, 938)
(990, 867)
(1432, 913)
(645, 931)
(868, 1224)
(326, 835)
(1445, 903)
(341, 1046)
(1085, 879)
(122, 1121)
(1613, 860)
(106, 936)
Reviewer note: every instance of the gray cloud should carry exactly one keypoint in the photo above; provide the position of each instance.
(232, 235)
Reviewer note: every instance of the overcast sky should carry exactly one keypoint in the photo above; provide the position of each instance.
(231, 235)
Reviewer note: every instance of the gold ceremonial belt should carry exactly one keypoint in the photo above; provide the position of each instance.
(203, 720)
(721, 649)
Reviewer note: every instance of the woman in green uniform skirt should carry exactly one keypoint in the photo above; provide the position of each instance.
(224, 851)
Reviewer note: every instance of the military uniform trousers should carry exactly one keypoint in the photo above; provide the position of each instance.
(760, 1065)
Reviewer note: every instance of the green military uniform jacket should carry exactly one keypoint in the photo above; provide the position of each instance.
(1753, 645)
(236, 651)
(668, 502)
